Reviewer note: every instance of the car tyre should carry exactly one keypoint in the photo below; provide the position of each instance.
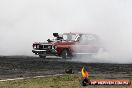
(41, 56)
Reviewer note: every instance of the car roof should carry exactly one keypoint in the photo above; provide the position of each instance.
(80, 33)
(72, 33)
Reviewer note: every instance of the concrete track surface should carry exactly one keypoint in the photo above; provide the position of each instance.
(28, 66)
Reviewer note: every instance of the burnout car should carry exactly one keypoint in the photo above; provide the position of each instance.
(68, 45)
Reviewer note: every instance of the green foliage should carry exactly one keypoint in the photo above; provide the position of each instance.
(65, 81)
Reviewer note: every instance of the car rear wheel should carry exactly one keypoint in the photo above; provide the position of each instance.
(66, 54)
(41, 56)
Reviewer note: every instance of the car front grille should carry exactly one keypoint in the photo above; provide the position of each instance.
(43, 47)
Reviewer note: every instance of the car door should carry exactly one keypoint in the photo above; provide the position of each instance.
(86, 45)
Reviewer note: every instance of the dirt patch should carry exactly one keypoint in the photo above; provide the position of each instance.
(24, 66)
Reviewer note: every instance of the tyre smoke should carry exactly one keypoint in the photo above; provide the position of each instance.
(23, 22)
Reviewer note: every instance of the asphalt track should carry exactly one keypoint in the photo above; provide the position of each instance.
(28, 66)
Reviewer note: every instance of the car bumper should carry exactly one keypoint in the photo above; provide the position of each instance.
(44, 52)
(37, 52)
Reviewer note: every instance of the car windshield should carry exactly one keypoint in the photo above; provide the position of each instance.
(69, 37)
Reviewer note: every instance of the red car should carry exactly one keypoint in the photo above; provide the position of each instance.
(68, 45)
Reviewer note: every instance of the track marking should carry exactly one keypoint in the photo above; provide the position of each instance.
(29, 77)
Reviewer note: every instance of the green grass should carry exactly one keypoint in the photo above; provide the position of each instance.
(65, 81)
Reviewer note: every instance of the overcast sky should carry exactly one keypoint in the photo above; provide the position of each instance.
(23, 22)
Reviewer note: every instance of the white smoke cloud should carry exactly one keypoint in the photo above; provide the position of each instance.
(24, 21)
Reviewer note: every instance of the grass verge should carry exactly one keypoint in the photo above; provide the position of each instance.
(65, 81)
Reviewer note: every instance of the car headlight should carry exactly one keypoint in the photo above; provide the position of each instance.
(34, 47)
(49, 47)
(37, 46)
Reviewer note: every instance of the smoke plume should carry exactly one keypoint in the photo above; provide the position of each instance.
(23, 22)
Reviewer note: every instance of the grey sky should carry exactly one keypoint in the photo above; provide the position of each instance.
(24, 21)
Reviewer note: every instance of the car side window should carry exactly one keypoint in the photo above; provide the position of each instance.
(87, 39)
(84, 39)
(91, 37)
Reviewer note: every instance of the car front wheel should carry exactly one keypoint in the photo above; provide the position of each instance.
(41, 56)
